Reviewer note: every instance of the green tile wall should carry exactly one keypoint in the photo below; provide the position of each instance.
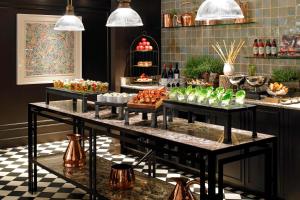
(273, 19)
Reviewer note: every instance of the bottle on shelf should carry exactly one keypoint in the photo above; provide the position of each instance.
(170, 72)
(176, 71)
(255, 48)
(268, 48)
(261, 48)
(164, 73)
(274, 50)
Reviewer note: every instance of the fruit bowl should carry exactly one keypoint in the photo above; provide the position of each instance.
(277, 89)
(237, 80)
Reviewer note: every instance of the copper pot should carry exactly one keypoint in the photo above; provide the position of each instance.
(74, 155)
(167, 20)
(122, 175)
(186, 19)
(182, 189)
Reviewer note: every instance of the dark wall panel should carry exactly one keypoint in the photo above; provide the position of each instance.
(121, 38)
(14, 99)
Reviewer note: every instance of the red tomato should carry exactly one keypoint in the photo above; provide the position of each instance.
(150, 48)
(146, 48)
(140, 44)
(144, 43)
(138, 48)
(148, 43)
(144, 40)
(142, 48)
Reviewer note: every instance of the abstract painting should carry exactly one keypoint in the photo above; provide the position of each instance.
(43, 54)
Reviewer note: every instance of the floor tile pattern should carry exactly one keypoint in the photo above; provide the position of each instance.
(13, 174)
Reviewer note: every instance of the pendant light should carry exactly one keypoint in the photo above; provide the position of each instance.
(69, 22)
(124, 16)
(218, 10)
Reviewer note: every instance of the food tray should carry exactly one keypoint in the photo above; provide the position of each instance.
(155, 106)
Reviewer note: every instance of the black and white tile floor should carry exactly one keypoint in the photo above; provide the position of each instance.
(13, 174)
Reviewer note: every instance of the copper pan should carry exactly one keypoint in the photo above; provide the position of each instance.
(122, 175)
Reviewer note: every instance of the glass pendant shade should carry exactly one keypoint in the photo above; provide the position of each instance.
(218, 10)
(69, 22)
(124, 16)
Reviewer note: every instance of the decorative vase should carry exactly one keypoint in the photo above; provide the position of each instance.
(228, 69)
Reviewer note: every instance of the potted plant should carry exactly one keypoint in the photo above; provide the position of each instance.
(288, 77)
(202, 67)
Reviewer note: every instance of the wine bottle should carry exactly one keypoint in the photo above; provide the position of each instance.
(170, 72)
(268, 48)
(176, 71)
(261, 48)
(164, 72)
(274, 49)
(255, 48)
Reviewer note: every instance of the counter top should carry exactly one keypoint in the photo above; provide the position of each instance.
(200, 135)
(295, 106)
(141, 87)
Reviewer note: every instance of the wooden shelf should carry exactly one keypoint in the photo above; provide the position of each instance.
(221, 23)
(278, 57)
(145, 66)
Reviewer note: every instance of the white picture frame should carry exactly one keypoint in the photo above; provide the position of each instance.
(44, 55)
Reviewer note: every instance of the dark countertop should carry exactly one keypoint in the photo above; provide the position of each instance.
(144, 187)
(200, 135)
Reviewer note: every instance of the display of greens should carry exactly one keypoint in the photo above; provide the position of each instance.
(208, 95)
(284, 75)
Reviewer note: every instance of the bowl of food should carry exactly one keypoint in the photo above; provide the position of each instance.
(256, 81)
(237, 80)
(277, 89)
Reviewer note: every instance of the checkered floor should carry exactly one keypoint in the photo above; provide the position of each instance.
(13, 174)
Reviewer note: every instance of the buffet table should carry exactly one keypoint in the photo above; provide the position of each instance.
(198, 137)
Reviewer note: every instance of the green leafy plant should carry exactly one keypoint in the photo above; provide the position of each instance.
(284, 75)
(198, 65)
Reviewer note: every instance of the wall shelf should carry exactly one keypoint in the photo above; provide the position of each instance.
(275, 58)
(219, 23)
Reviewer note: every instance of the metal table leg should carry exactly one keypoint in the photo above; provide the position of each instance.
(144, 116)
(30, 156)
(165, 113)
(47, 97)
(227, 129)
(92, 165)
(97, 109)
(254, 133)
(84, 104)
(211, 176)
(121, 113)
(202, 178)
(126, 116)
(34, 151)
(154, 120)
(113, 110)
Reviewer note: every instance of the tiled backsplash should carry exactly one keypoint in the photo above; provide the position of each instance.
(273, 18)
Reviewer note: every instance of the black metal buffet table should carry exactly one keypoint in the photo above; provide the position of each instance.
(204, 140)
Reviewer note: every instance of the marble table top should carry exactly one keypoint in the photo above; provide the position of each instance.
(200, 135)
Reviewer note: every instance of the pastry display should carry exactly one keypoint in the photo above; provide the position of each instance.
(277, 89)
(81, 85)
(144, 78)
(150, 96)
(144, 63)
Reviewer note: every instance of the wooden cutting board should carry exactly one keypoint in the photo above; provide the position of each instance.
(149, 106)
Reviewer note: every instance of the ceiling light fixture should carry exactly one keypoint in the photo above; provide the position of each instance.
(69, 22)
(219, 10)
(124, 16)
